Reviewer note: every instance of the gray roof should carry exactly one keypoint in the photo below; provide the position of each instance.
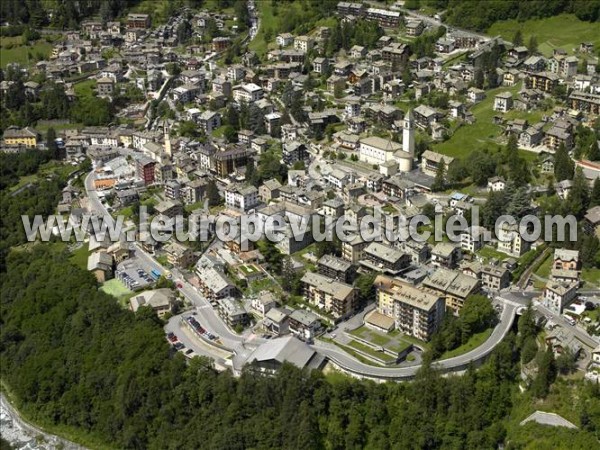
(284, 349)
(546, 418)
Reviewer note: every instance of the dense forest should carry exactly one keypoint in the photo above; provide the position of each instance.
(470, 14)
(73, 357)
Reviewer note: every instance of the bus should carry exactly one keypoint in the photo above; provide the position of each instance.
(155, 274)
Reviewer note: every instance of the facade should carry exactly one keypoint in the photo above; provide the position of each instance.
(24, 137)
(510, 241)
(382, 258)
(336, 268)
(454, 286)
(334, 297)
(376, 150)
(247, 93)
(241, 198)
(558, 295)
(415, 311)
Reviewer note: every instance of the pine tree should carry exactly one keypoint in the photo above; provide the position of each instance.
(593, 153)
(579, 195)
(212, 194)
(440, 177)
(517, 38)
(563, 165)
(595, 194)
(533, 44)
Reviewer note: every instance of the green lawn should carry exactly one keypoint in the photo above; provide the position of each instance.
(545, 268)
(372, 352)
(565, 31)
(591, 276)
(475, 341)
(85, 88)
(26, 55)
(80, 256)
(490, 252)
(267, 22)
(118, 290)
(480, 134)
(52, 168)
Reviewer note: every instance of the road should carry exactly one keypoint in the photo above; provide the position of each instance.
(242, 345)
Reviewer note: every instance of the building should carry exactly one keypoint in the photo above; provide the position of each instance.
(100, 264)
(430, 162)
(510, 240)
(105, 87)
(495, 278)
(179, 255)
(445, 254)
(228, 161)
(160, 300)
(591, 221)
(496, 184)
(544, 81)
(376, 150)
(384, 17)
(242, 198)
(169, 208)
(304, 324)
(415, 311)
(270, 356)
(303, 43)
(558, 295)
(472, 238)
(209, 121)
(263, 302)
(382, 258)
(21, 137)
(138, 21)
(269, 190)
(144, 168)
(336, 268)
(454, 286)
(247, 93)
(293, 152)
(415, 27)
(334, 297)
(276, 321)
(214, 284)
(232, 312)
(503, 102)
(565, 259)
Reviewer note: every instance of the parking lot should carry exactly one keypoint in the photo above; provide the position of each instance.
(134, 275)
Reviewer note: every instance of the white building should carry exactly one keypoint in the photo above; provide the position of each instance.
(376, 150)
(247, 93)
(503, 102)
(241, 198)
(558, 295)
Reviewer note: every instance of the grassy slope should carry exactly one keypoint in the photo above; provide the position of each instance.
(564, 31)
(483, 132)
(27, 55)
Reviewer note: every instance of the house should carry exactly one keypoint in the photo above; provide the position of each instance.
(100, 264)
(336, 268)
(445, 45)
(304, 324)
(334, 297)
(269, 190)
(169, 208)
(430, 161)
(284, 39)
(303, 43)
(138, 21)
(472, 238)
(591, 221)
(495, 278)
(209, 121)
(160, 300)
(414, 27)
(382, 258)
(415, 311)
(566, 259)
(276, 321)
(445, 254)
(21, 137)
(179, 255)
(293, 152)
(241, 198)
(503, 102)
(358, 51)
(475, 95)
(496, 184)
(510, 240)
(557, 295)
(263, 302)
(321, 65)
(105, 87)
(425, 116)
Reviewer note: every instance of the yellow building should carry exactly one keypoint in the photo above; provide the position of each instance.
(26, 137)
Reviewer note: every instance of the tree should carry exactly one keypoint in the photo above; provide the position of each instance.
(533, 44)
(563, 165)
(595, 194)
(593, 153)
(51, 143)
(230, 134)
(476, 315)
(517, 39)
(579, 195)
(439, 182)
(566, 362)
(546, 374)
(212, 194)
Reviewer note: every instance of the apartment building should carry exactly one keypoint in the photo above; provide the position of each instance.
(336, 268)
(454, 286)
(415, 311)
(242, 198)
(334, 297)
(558, 295)
(510, 240)
(382, 258)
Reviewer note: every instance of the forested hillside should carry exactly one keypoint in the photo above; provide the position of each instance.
(75, 360)
(481, 14)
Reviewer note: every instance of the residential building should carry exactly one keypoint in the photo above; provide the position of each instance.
(214, 284)
(336, 268)
(382, 258)
(304, 324)
(472, 238)
(169, 208)
(495, 278)
(269, 190)
(430, 161)
(566, 259)
(510, 240)
(100, 264)
(247, 93)
(232, 312)
(160, 300)
(334, 297)
(209, 121)
(558, 295)
(415, 311)
(242, 198)
(503, 102)
(21, 137)
(179, 255)
(263, 302)
(454, 286)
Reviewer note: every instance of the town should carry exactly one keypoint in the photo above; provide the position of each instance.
(215, 112)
